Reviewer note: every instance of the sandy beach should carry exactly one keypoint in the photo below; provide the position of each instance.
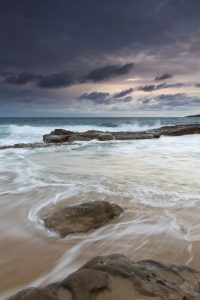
(156, 185)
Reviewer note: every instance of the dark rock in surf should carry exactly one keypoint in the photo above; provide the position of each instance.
(115, 277)
(180, 130)
(79, 218)
(135, 135)
(95, 135)
(54, 138)
(25, 146)
(63, 136)
(35, 293)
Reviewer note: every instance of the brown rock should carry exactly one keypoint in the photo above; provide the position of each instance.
(54, 138)
(61, 132)
(149, 279)
(98, 135)
(135, 135)
(115, 277)
(180, 130)
(61, 135)
(80, 218)
(34, 293)
(86, 283)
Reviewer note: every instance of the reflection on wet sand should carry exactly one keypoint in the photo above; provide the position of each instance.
(156, 184)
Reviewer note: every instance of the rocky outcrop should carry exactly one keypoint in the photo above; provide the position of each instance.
(179, 130)
(79, 218)
(116, 277)
(60, 136)
(135, 135)
(63, 136)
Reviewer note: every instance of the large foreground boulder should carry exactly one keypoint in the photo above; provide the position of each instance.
(116, 277)
(79, 218)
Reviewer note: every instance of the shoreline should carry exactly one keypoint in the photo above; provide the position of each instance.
(116, 277)
(160, 220)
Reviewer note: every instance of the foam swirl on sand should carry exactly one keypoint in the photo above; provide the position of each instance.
(156, 181)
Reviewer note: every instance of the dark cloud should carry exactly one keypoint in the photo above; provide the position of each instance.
(168, 101)
(152, 87)
(108, 72)
(64, 79)
(97, 97)
(126, 99)
(51, 36)
(56, 80)
(123, 93)
(163, 77)
(105, 98)
(45, 34)
(21, 78)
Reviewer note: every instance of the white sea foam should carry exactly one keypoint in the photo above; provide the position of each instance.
(13, 134)
(155, 181)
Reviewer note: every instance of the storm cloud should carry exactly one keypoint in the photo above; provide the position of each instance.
(86, 45)
(96, 97)
(53, 80)
(22, 78)
(65, 79)
(56, 80)
(152, 87)
(106, 98)
(46, 34)
(170, 101)
(163, 77)
(123, 93)
(108, 72)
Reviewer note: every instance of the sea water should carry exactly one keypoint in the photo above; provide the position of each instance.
(155, 181)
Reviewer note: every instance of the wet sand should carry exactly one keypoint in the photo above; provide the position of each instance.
(157, 185)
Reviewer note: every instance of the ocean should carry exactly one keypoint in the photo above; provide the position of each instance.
(26, 130)
(155, 181)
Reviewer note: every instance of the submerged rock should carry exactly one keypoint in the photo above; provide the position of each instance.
(115, 277)
(25, 145)
(79, 218)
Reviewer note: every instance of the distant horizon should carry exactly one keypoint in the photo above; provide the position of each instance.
(122, 117)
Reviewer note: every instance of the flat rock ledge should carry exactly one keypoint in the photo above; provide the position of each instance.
(80, 218)
(63, 136)
(115, 277)
(60, 137)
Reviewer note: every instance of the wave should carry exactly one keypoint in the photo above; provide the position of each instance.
(13, 134)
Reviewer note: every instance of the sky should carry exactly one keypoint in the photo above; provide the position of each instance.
(99, 58)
